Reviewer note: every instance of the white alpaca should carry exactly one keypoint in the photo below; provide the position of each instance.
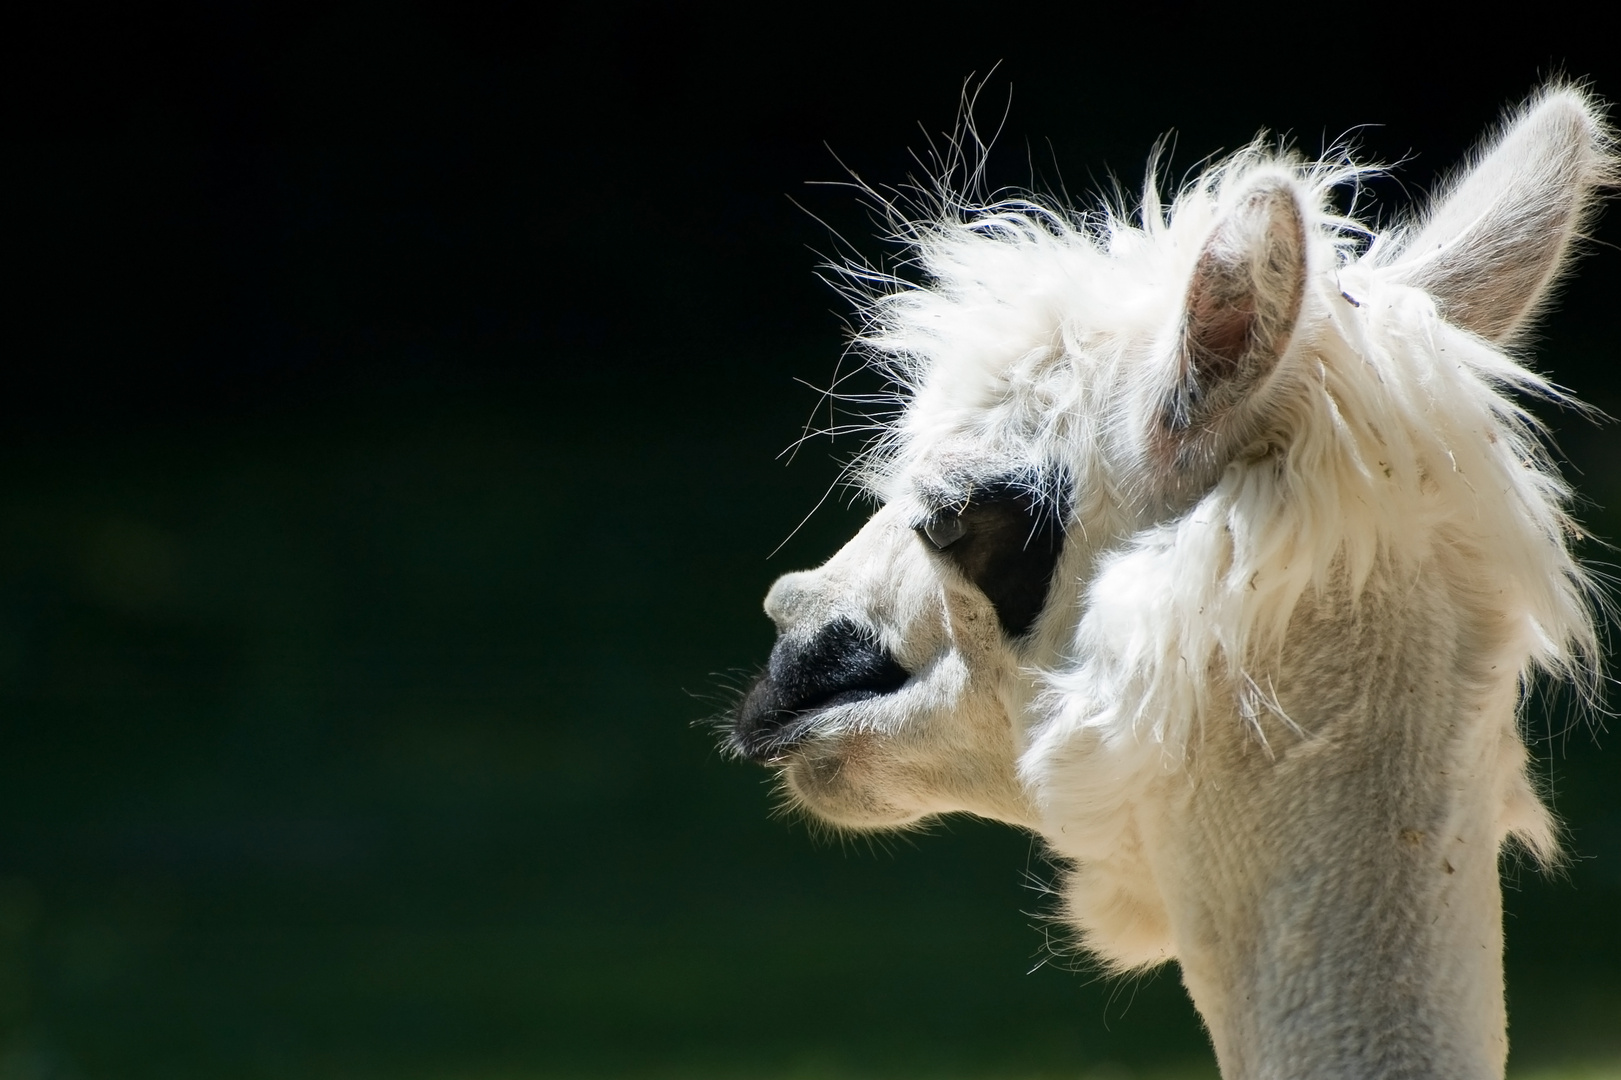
(1215, 548)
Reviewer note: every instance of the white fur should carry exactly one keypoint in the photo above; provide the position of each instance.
(1269, 710)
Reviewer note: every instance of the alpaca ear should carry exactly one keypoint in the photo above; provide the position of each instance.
(1492, 246)
(1242, 305)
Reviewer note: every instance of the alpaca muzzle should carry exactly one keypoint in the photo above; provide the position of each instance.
(841, 664)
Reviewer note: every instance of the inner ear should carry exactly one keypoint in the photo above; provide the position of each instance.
(1218, 330)
(1244, 297)
(1242, 306)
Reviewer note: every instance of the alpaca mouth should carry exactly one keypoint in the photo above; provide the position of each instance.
(767, 733)
(842, 663)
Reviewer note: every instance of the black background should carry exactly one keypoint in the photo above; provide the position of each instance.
(389, 421)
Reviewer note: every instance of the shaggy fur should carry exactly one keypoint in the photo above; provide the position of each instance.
(1314, 550)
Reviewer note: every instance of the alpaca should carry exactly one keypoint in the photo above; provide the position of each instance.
(1215, 547)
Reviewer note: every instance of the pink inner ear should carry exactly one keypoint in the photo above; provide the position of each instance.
(1221, 323)
(1246, 292)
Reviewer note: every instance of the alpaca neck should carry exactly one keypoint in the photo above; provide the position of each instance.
(1334, 897)
(1375, 973)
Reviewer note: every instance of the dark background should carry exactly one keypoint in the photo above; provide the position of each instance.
(389, 427)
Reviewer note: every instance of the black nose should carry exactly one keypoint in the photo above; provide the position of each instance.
(841, 664)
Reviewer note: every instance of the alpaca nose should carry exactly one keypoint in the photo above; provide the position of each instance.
(841, 664)
(789, 599)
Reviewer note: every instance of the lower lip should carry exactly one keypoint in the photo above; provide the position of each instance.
(802, 727)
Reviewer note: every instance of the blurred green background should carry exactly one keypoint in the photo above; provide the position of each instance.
(392, 407)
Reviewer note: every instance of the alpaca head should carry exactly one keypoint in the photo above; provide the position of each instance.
(1129, 446)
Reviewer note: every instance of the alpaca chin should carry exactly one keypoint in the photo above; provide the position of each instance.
(883, 777)
(842, 780)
